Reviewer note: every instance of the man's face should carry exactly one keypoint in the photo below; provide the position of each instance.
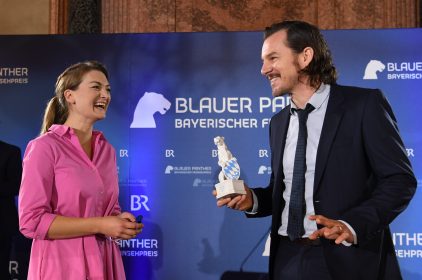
(280, 64)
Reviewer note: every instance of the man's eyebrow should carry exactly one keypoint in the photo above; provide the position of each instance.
(270, 54)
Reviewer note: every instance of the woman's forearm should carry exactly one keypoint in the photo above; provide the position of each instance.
(70, 227)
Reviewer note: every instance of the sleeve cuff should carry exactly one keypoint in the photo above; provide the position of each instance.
(255, 204)
(355, 239)
(44, 225)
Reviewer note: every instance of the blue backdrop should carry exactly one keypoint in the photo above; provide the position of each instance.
(171, 95)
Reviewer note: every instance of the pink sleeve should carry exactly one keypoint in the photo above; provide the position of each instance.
(35, 213)
(116, 208)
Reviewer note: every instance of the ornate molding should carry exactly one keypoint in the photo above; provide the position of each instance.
(84, 16)
(58, 16)
(121, 16)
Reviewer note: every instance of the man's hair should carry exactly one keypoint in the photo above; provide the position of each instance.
(300, 35)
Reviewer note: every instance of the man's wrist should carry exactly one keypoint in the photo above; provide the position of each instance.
(254, 208)
(355, 239)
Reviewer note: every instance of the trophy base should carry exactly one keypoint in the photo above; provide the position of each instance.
(229, 188)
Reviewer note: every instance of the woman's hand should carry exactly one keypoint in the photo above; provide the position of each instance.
(123, 226)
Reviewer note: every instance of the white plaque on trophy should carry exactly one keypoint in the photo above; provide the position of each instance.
(228, 185)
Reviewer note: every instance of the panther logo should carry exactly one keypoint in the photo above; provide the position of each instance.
(196, 182)
(169, 169)
(148, 105)
(372, 68)
(264, 169)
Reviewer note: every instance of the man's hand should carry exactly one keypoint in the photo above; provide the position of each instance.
(240, 202)
(333, 229)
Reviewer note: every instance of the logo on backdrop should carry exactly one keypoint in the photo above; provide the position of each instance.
(198, 182)
(404, 70)
(372, 68)
(139, 202)
(133, 183)
(226, 112)
(149, 104)
(139, 247)
(410, 152)
(14, 269)
(13, 75)
(264, 170)
(408, 244)
(170, 169)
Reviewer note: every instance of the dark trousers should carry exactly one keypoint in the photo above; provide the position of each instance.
(5, 247)
(300, 262)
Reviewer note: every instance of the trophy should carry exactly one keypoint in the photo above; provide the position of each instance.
(229, 185)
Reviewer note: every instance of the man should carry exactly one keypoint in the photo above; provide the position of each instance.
(10, 179)
(357, 176)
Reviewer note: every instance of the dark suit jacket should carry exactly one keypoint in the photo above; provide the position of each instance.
(10, 179)
(362, 176)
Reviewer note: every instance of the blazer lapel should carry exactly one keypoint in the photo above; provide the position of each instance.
(332, 120)
(279, 134)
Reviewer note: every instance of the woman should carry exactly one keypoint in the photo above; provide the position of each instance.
(68, 200)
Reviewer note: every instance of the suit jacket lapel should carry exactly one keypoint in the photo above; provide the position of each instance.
(332, 120)
(279, 134)
(278, 137)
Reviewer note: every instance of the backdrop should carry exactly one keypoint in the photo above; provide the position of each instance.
(171, 95)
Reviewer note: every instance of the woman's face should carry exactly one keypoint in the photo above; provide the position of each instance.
(91, 99)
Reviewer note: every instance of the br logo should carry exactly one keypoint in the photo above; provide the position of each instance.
(148, 105)
(372, 68)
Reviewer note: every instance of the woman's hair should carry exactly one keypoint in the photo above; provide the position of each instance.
(57, 109)
(300, 35)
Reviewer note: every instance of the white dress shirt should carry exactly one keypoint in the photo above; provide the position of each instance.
(314, 125)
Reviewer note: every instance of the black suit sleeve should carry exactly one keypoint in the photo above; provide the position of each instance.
(12, 174)
(393, 182)
(264, 195)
